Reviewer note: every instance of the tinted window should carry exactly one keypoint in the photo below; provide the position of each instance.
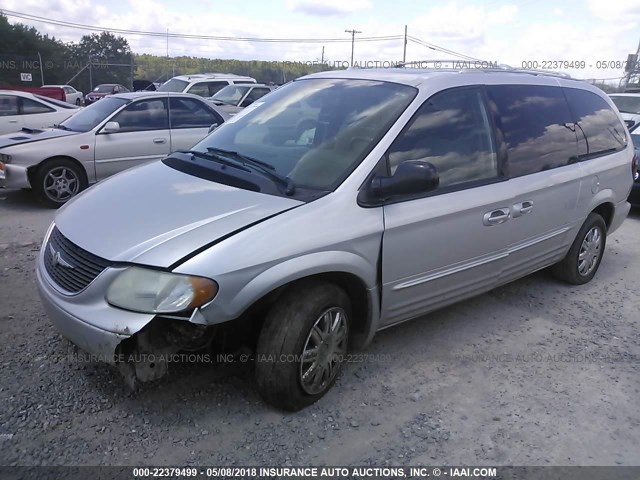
(451, 130)
(627, 104)
(8, 105)
(189, 113)
(254, 95)
(173, 85)
(597, 121)
(536, 124)
(30, 107)
(143, 115)
(206, 89)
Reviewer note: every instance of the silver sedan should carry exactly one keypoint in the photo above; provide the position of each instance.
(117, 133)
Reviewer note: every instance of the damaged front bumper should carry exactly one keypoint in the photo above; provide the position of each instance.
(86, 318)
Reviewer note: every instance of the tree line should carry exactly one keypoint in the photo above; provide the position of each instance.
(107, 58)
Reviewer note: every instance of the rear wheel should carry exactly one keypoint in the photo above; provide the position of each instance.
(78, 102)
(57, 181)
(302, 345)
(584, 257)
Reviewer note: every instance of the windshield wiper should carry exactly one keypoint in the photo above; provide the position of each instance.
(217, 158)
(264, 167)
(62, 127)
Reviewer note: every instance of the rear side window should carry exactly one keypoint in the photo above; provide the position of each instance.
(451, 130)
(206, 89)
(8, 105)
(30, 107)
(537, 127)
(599, 128)
(190, 113)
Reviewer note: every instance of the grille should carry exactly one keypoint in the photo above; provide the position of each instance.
(68, 265)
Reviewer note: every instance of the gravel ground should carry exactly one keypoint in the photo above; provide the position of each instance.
(533, 373)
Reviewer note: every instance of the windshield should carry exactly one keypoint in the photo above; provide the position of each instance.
(173, 85)
(231, 95)
(57, 103)
(627, 104)
(89, 117)
(314, 131)
(104, 89)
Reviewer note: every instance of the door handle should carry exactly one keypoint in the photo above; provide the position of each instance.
(523, 208)
(159, 140)
(496, 217)
(13, 121)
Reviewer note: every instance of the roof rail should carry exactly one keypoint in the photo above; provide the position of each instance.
(480, 65)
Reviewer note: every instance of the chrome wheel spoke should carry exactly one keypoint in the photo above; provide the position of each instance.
(323, 349)
(311, 355)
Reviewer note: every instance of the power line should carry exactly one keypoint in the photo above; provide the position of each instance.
(441, 49)
(63, 23)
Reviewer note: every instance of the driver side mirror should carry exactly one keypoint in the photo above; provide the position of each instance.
(213, 127)
(410, 178)
(111, 127)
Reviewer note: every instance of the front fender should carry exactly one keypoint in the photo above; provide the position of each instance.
(302, 267)
(229, 307)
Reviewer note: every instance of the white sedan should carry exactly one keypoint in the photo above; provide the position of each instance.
(72, 95)
(20, 110)
(118, 132)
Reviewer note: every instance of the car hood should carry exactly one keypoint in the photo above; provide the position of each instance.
(155, 215)
(30, 136)
(630, 116)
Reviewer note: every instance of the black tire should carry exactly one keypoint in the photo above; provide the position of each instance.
(70, 176)
(286, 332)
(569, 269)
(78, 102)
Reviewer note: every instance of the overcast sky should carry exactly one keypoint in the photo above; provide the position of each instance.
(497, 30)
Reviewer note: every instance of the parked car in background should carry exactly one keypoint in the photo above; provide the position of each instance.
(634, 195)
(57, 93)
(102, 91)
(71, 94)
(629, 106)
(203, 84)
(418, 189)
(119, 132)
(20, 110)
(234, 98)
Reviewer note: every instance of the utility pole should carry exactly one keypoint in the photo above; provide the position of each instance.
(353, 39)
(41, 72)
(404, 53)
(632, 67)
(322, 57)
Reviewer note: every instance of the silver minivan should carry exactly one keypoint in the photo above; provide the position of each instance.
(409, 191)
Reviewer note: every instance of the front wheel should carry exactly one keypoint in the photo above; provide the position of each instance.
(57, 181)
(78, 102)
(582, 262)
(302, 345)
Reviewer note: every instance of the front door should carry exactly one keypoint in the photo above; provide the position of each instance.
(190, 121)
(451, 243)
(143, 136)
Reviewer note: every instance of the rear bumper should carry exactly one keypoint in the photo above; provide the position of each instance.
(634, 195)
(620, 212)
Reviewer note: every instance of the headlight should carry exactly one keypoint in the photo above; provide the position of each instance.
(4, 158)
(153, 291)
